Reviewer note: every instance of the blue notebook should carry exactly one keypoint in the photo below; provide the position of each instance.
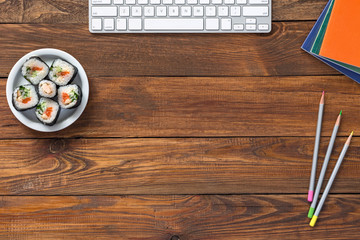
(309, 42)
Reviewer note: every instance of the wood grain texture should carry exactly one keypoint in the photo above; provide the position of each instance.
(76, 11)
(263, 88)
(297, 9)
(43, 11)
(181, 106)
(169, 166)
(190, 217)
(274, 54)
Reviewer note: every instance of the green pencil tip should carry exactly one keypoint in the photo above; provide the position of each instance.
(311, 212)
(340, 112)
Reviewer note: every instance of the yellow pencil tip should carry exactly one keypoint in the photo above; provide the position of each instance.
(313, 221)
(352, 133)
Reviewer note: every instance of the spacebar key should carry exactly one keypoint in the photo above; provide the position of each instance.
(190, 24)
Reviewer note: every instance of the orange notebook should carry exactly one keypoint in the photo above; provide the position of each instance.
(342, 38)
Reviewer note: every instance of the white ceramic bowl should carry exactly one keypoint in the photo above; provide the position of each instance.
(67, 116)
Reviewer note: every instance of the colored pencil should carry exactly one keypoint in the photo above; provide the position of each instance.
(324, 166)
(331, 180)
(316, 149)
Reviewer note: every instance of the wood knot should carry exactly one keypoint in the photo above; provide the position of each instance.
(175, 237)
(57, 145)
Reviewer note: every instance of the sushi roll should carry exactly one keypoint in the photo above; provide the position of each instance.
(69, 96)
(62, 72)
(34, 70)
(47, 89)
(25, 97)
(47, 111)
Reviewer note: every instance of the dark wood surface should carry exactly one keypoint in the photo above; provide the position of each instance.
(275, 54)
(205, 106)
(187, 216)
(168, 166)
(189, 135)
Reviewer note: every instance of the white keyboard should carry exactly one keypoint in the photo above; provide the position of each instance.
(179, 16)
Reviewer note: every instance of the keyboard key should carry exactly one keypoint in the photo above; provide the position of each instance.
(235, 11)
(136, 11)
(180, 24)
(241, 1)
(255, 11)
(210, 11)
(149, 11)
(121, 24)
(100, 2)
(192, 2)
(250, 27)
(229, 1)
(135, 24)
(161, 11)
(167, 2)
(130, 2)
(96, 24)
(223, 11)
(108, 24)
(198, 11)
(212, 24)
(173, 11)
(258, 1)
(186, 11)
(204, 2)
(216, 1)
(154, 2)
(104, 11)
(124, 11)
(118, 2)
(179, 2)
(143, 2)
(226, 24)
(238, 27)
(250, 20)
(263, 27)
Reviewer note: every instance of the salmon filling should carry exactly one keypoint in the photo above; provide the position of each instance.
(23, 95)
(47, 113)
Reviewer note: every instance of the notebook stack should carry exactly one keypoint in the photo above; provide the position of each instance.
(335, 37)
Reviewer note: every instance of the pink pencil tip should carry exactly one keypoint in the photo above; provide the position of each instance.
(322, 98)
(310, 196)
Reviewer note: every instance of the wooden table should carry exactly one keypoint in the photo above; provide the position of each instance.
(200, 136)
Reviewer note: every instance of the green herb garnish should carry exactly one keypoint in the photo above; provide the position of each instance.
(57, 70)
(25, 92)
(73, 96)
(40, 108)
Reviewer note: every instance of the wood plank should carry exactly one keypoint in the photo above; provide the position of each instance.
(181, 106)
(168, 166)
(189, 217)
(42, 11)
(297, 9)
(274, 54)
(76, 11)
